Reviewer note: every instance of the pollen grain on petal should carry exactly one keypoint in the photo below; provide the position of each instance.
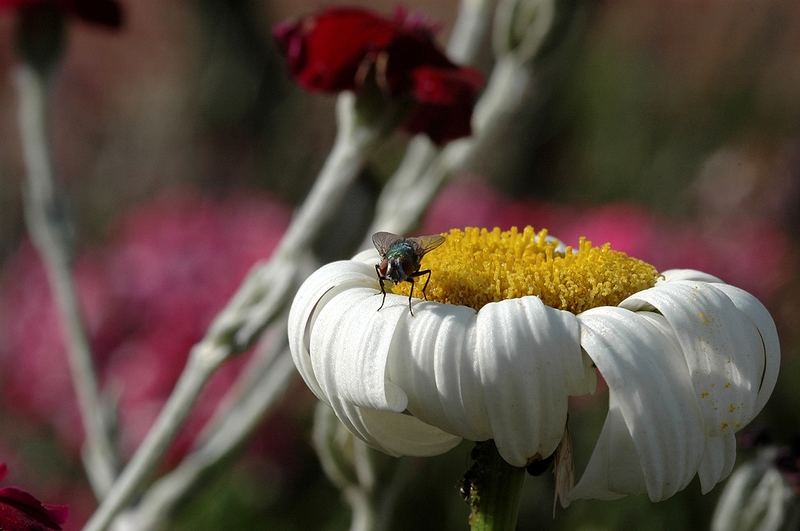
(476, 266)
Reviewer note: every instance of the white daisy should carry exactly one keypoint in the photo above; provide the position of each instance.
(516, 324)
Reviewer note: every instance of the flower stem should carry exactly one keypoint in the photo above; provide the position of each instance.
(157, 505)
(267, 288)
(349, 465)
(50, 231)
(493, 488)
(355, 140)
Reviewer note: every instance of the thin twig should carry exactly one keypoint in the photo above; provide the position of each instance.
(49, 228)
(204, 360)
(469, 30)
(160, 500)
(348, 464)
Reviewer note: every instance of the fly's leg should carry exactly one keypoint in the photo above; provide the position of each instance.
(419, 274)
(426, 282)
(383, 290)
(411, 292)
(411, 278)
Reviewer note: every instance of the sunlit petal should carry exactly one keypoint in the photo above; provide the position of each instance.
(671, 275)
(725, 355)
(611, 473)
(529, 358)
(350, 347)
(394, 433)
(652, 413)
(719, 456)
(432, 361)
(316, 291)
(722, 346)
(760, 317)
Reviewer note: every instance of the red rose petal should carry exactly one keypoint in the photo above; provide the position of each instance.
(20, 510)
(438, 86)
(325, 51)
(58, 513)
(338, 48)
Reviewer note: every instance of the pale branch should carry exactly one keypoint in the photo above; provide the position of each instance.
(50, 230)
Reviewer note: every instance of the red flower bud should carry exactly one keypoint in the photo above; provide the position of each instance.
(340, 49)
(20, 511)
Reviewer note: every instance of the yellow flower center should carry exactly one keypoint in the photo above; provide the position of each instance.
(474, 267)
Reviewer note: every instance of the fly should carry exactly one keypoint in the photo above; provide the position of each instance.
(401, 258)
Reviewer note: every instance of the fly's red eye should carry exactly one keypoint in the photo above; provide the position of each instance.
(383, 267)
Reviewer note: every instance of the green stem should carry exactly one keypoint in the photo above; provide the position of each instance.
(493, 488)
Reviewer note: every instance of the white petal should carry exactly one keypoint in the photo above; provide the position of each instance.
(432, 360)
(612, 471)
(725, 355)
(722, 346)
(368, 256)
(719, 457)
(653, 436)
(672, 275)
(401, 434)
(762, 320)
(350, 347)
(560, 246)
(529, 359)
(313, 295)
(394, 433)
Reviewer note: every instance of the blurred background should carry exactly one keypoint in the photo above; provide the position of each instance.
(670, 129)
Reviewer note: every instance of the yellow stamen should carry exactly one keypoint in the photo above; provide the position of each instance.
(475, 266)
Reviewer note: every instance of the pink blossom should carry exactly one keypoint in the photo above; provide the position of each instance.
(147, 297)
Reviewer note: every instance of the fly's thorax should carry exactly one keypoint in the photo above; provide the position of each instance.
(399, 268)
(401, 250)
(401, 261)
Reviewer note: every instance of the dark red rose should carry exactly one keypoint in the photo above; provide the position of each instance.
(103, 12)
(341, 49)
(326, 51)
(20, 511)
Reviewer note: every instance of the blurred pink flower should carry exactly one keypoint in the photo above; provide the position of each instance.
(102, 12)
(21, 511)
(750, 254)
(147, 296)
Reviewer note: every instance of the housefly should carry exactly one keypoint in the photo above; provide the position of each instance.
(400, 259)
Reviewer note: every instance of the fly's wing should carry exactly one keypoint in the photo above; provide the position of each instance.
(383, 240)
(426, 244)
